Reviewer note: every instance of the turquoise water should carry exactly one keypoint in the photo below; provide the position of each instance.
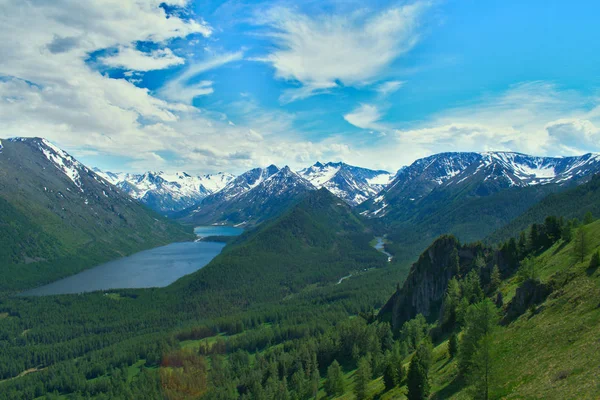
(156, 267)
(203, 231)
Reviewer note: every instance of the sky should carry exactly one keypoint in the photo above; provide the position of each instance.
(206, 86)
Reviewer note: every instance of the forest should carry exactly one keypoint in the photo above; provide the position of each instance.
(306, 336)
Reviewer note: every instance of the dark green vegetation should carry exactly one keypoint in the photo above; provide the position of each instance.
(271, 318)
(457, 211)
(572, 203)
(52, 226)
(318, 241)
(97, 344)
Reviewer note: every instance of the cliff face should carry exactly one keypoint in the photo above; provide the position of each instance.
(425, 287)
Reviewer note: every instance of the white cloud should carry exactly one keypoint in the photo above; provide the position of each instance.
(524, 118)
(181, 89)
(366, 116)
(389, 87)
(353, 50)
(132, 59)
(574, 135)
(47, 89)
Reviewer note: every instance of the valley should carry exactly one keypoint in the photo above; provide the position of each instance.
(314, 281)
(299, 200)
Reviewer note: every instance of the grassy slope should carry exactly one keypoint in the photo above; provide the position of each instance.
(552, 354)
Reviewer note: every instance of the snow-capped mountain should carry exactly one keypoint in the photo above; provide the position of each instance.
(57, 208)
(352, 184)
(252, 197)
(167, 193)
(483, 173)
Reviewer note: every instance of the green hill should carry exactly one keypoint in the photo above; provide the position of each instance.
(57, 217)
(317, 241)
(572, 203)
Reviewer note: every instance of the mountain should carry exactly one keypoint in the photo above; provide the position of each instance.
(59, 217)
(252, 197)
(351, 184)
(493, 171)
(468, 194)
(318, 240)
(167, 193)
(572, 203)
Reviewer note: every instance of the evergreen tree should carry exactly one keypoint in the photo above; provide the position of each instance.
(471, 287)
(580, 244)
(450, 304)
(334, 384)
(362, 378)
(453, 345)
(553, 229)
(594, 261)
(522, 244)
(481, 319)
(390, 374)
(527, 269)
(588, 218)
(567, 231)
(495, 279)
(534, 237)
(482, 368)
(418, 373)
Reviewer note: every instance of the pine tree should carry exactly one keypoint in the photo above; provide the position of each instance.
(580, 244)
(453, 345)
(481, 320)
(482, 371)
(527, 269)
(334, 384)
(594, 261)
(534, 237)
(588, 218)
(362, 378)
(389, 375)
(495, 279)
(418, 373)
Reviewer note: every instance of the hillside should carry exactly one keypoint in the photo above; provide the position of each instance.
(470, 195)
(545, 345)
(572, 203)
(58, 217)
(317, 241)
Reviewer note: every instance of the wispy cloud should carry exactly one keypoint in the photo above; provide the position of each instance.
(389, 87)
(182, 89)
(366, 116)
(323, 52)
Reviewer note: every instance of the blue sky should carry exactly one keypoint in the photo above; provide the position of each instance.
(207, 86)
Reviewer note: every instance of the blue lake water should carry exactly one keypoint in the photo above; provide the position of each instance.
(156, 267)
(214, 230)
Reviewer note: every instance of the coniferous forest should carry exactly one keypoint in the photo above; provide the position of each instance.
(299, 200)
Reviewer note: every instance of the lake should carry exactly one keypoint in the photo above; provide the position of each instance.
(156, 267)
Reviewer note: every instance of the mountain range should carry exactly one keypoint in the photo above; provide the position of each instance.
(167, 193)
(467, 194)
(171, 194)
(57, 216)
